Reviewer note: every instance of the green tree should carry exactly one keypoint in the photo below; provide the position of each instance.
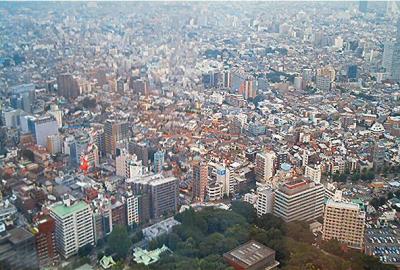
(244, 209)
(118, 241)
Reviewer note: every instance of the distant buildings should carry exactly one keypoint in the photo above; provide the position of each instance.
(299, 199)
(344, 222)
(74, 226)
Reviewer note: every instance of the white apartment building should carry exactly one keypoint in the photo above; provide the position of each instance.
(265, 166)
(314, 173)
(265, 201)
(74, 226)
(132, 209)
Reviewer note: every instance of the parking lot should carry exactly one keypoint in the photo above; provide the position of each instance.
(383, 243)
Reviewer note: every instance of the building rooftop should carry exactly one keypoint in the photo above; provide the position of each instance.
(249, 254)
(63, 210)
(18, 235)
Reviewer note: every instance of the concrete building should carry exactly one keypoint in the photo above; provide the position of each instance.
(252, 256)
(43, 127)
(132, 209)
(44, 232)
(313, 172)
(299, 199)
(265, 168)
(54, 144)
(265, 201)
(114, 131)
(128, 165)
(57, 113)
(344, 222)
(200, 178)
(159, 158)
(74, 226)
(163, 193)
(67, 86)
(17, 249)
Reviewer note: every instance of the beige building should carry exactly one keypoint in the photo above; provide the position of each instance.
(299, 199)
(345, 222)
(265, 166)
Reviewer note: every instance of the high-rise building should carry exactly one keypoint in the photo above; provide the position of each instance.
(115, 131)
(200, 177)
(387, 57)
(344, 222)
(265, 201)
(118, 213)
(74, 226)
(299, 199)
(352, 72)
(323, 83)
(395, 73)
(67, 86)
(43, 127)
(163, 193)
(132, 209)
(57, 113)
(23, 97)
(128, 165)
(265, 168)
(159, 157)
(44, 231)
(54, 144)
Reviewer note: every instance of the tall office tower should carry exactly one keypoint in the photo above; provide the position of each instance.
(132, 209)
(378, 155)
(22, 97)
(200, 178)
(100, 141)
(249, 88)
(44, 231)
(226, 79)
(298, 83)
(114, 132)
(314, 172)
(265, 168)
(67, 86)
(159, 157)
(74, 226)
(344, 222)
(163, 193)
(140, 86)
(387, 57)
(265, 201)
(54, 144)
(299, 199)
(363, 6)
(43, 127)
(396, 56)
(57, 113)
(92, 155)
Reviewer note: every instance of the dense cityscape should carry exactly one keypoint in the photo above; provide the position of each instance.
(200, 135)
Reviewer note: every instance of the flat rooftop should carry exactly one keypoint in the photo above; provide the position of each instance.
(249, 254)
(62, 210)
